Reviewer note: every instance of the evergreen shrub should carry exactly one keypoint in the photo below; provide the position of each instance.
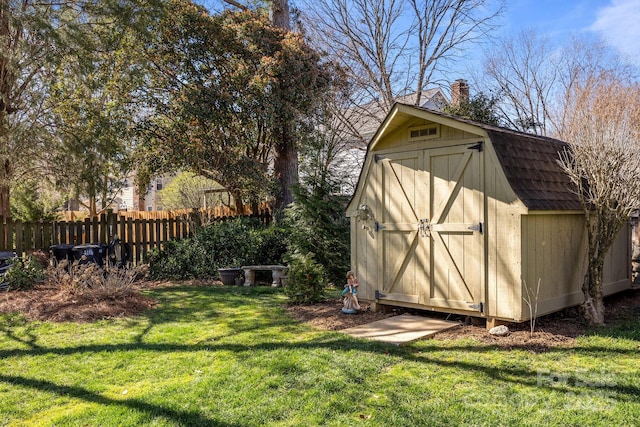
(305, 283)
(241, 241)
(24, 274)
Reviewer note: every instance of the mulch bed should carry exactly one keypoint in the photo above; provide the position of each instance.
(555, 330)
(327, 315)
(61, 305)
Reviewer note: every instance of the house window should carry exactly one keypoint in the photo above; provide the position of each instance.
(158, 184)
(424, 132)
(149, 208)
(126, 183)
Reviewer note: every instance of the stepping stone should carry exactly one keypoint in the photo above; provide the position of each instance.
(400, 329)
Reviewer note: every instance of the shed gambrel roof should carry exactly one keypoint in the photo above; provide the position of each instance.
(530, 163)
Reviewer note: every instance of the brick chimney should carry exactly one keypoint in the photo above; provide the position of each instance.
(459, 92)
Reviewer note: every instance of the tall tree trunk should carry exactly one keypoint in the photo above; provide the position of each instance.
(5, 174)
(593, 305)
(286, 167)
(280, 14)
(5, 212)
(286, 156)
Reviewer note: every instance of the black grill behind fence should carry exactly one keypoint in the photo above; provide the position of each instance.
(141, 234)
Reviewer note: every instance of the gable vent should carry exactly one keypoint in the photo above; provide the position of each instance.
(424, 132)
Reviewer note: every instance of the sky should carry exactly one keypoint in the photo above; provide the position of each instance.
(617, 22)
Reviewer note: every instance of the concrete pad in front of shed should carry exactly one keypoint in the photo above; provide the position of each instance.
(400, 329)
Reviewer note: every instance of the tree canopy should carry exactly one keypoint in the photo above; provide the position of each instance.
(56, 82)
(219, 85)
(92, 109)
(480, 108)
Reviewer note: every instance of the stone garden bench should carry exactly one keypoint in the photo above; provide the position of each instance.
(278, 274)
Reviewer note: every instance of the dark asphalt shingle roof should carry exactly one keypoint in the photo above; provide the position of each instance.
(530, 163)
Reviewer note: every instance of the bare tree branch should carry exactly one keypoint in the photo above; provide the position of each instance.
(392, 48)
(602, 125)
(234, 3)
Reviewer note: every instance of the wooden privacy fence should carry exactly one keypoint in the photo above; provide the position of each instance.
(210, 212)
(141, 234)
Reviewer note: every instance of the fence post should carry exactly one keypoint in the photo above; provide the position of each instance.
(184, 228)
(102, 231)
(3, 235)
(110, 226)
(121, 230)
(65, 233)
(171, 228)
(19, 242)
(37, 236)
(144, 227)
(151, 229)
(158, 233)
(137, 239)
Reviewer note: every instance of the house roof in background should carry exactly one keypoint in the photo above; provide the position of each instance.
(369, 116)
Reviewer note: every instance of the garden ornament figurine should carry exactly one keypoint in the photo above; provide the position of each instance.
(350, 302)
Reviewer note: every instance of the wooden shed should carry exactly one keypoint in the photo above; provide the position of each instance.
(456, 216)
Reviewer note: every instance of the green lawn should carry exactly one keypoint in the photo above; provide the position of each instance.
(230, 356)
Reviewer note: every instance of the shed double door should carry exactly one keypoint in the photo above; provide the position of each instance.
(431, 246)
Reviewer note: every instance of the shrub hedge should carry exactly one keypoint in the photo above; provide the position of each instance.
(241, 241)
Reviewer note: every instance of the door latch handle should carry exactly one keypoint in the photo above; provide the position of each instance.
(424, 227)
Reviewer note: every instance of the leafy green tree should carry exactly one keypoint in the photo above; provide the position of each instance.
(480, 108)
(32, 201)
(42, 42)
(92, 111)
(27, 38)
(187, 191)
(222, 84)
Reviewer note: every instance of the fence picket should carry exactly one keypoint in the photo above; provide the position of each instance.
(19, 231)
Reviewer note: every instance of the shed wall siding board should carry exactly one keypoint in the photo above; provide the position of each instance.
(617, 266)
(553, 250)
(561, 276)
(504, 257)
(371, 268)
